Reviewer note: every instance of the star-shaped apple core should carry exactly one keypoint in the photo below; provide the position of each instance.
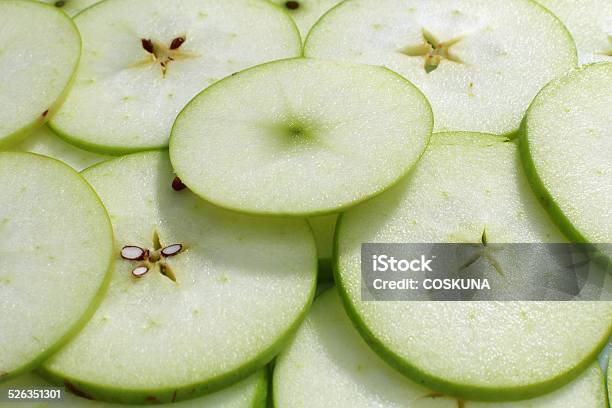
(152, 259)
(433, 51)
(162, 54)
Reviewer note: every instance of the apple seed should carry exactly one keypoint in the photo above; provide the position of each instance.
(140, 271)
(148, 46)
(177, 184)
(292, 5)
(171, 250)
(177, 42)
(133, 253)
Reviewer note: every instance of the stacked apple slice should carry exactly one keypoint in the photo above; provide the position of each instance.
(40, 48)
(329, 365)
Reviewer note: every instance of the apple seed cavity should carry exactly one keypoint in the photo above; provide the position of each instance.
(60, 4)
(433, 51)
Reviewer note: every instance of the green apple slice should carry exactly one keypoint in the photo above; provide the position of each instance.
(479, 63)
(267, 141)
(248, 393)
(590, 23)
(329, 365)
(566, 145)
(143, 60)
(182, 321)
(323, 228)
(306, 12)
(40, 49)
(56, 252)
(71, 7)
(43, 141)
(473, 350)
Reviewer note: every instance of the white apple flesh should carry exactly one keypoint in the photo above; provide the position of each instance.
(473, 350)
(198, 319)
(56, 252)
(40, 49)
(306, 12)
(329, 365)
(143, 60)
(480, 63)
(45, 142)
(268, 141)
(71, 7)
(590, 23)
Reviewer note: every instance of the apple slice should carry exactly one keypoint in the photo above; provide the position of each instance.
(479, 63)
(39, 53)
(56, 252)
(71, 7)
(200, 297)
(268, 141)
(306, 12)
(248, 393)
(329, 365)
(43, 141)
(566, 145)
(590, 23)
(473, 350)
(323, 228)
(143, 60)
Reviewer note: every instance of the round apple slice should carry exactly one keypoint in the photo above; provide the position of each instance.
(329, 365)
(267, 141)
(143, 60)
(590, 23)
(71, 7)
(43, 141)
(39, 53)
(323, 228)
(248, 393)
(56, 252)
(566, 145)
(200, 297)
(473, 350)
(469, 57)
(306, 12)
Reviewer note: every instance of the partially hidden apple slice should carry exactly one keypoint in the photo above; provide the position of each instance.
(479, 63)
(71, 7)
(45, 142)
(590, 23)
(473, 350)
(306, 12)
(40, 49)
(143, 60)
(200, 297)
(566, 146)
(300, 137)
(323, 228)
(248, 393)
(56, 252)
(329, 365)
